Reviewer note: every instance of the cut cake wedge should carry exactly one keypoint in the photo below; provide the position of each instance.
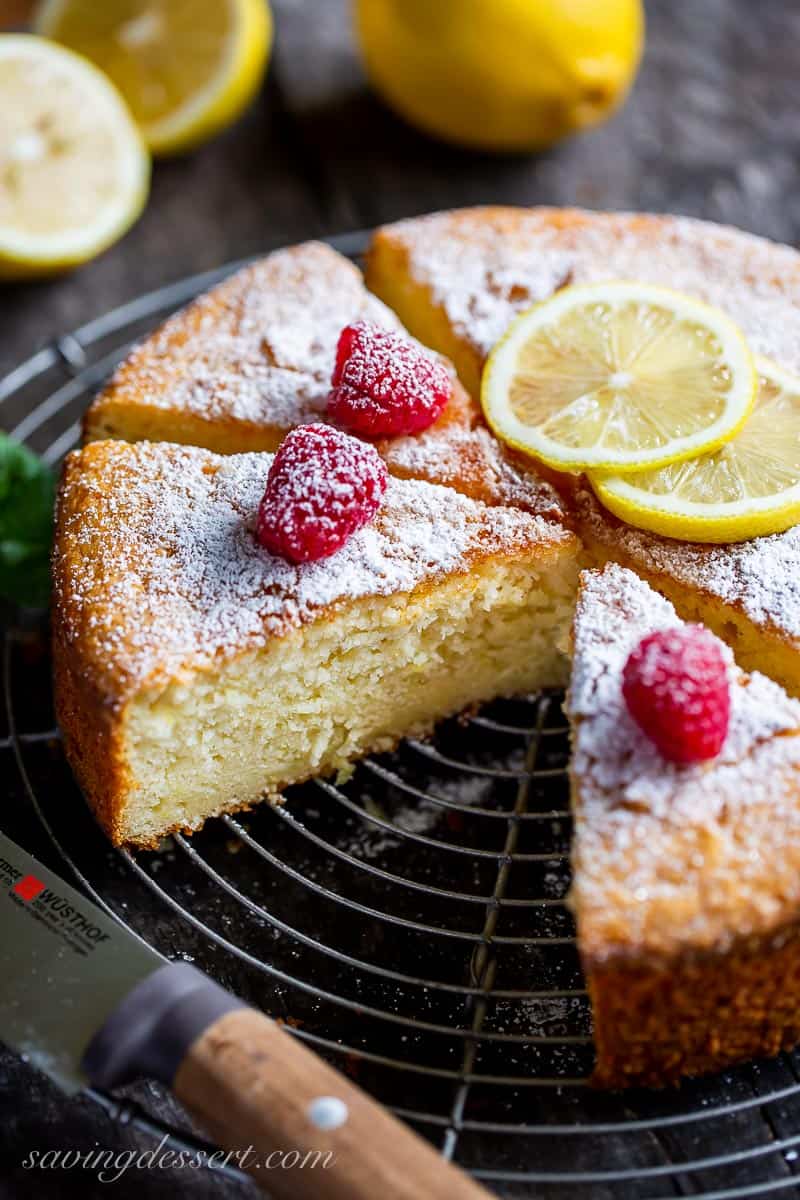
(196, 673)
(686, 885)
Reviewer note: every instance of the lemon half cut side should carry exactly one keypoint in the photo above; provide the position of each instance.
(74, 172)
(187, 68)
(619, 376)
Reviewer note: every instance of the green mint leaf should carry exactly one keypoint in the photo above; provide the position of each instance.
(27, 496)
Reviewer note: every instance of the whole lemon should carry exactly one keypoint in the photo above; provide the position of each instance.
(501, 74)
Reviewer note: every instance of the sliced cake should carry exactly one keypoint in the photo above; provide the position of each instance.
(195, 672)
(245, 362)
(686, 886)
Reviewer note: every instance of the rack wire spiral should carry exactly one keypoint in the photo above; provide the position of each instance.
(409, 923)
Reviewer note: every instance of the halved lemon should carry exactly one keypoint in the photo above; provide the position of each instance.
(74, 172)
(748, 488)
(187, 68)
(619, 376)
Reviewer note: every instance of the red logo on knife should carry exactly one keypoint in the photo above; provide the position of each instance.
(29, 887)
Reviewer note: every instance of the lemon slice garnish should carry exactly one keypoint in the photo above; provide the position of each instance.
(74, 172)
(619, 376)
(748, 488)
(187, 68)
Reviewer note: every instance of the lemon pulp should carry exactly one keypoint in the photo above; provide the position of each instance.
(74, 173)
(621, 375)
(187, 68)
(749, 487)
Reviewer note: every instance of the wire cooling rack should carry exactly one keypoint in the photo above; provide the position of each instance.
(408, 924)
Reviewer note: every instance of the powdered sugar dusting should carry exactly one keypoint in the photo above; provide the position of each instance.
(158, 572)
(484, 266)
(761, 576)
(259, 348)
(639, 816)
(473, 461)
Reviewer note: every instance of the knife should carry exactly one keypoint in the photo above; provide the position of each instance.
(87, 1001)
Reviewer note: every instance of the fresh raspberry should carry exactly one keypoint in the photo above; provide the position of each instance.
(322, 486)
(384, 384)
(675, 685)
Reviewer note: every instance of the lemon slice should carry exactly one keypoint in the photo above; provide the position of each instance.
(74, 172)
(187, 68)
(620, 376)
(750, 487)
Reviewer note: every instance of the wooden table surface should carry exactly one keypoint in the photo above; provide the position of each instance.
(711, 129)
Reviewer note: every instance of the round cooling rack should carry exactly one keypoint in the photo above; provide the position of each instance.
(409, 924)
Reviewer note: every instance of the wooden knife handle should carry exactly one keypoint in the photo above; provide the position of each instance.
(249, 1083)
(309, 1131)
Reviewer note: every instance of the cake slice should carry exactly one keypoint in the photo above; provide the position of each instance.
(686, 886)
(457, 279)
(196, 673)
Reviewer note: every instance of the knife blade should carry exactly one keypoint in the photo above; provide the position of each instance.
(86, 1000)
(65, 966)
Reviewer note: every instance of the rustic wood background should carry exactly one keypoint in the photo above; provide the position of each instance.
(711, 129)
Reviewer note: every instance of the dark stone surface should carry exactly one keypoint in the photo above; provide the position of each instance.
(711, 129)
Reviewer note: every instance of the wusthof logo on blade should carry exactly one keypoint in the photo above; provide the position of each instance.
(29, 887)
(55, 912)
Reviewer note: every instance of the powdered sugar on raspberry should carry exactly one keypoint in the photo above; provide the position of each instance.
(176, 580)
(383, 384)
(484, 266)
(648, 831)
(322, 486)
(675, 686)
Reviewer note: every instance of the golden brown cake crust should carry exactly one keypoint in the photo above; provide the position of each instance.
(685, 877)
(248, 360)
(697, 1015)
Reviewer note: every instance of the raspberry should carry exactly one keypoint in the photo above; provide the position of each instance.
(384, 384)
(675, 685)
(322, 486)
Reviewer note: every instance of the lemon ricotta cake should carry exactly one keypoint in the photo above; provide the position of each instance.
(686, 886)
(195, 672)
